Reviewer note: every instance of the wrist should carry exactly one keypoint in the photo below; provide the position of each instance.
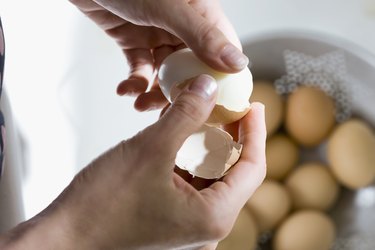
(51, 229)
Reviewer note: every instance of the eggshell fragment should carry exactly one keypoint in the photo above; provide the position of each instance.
(234, 90)
(313, 186)
(310, 115)
(305, 230)
(351, 154)
(270, 204)
(208, 153)
(243, 234)
(265, 92)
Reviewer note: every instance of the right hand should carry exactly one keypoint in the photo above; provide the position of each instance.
(131, 197)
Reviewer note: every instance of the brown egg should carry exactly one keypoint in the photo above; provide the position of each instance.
(351, 154)
(282, 155)
(312, 185)
(270, 204)
(243, 235)
(305, 230)
(264, 92)
(310, 115)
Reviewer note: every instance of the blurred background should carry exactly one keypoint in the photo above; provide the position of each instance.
(61, 74)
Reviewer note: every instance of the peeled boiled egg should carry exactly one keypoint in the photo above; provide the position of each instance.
(234, 90)
(351, 154)
(211, 151)
(310, 115)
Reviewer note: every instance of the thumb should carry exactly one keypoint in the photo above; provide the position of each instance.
(188, 112)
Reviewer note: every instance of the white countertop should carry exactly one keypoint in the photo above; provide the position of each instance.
(62, 71)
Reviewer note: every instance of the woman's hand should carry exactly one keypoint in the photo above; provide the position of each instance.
(131, 197)
(148, 30)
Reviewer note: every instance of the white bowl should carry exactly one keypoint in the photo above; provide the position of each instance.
(354, 213)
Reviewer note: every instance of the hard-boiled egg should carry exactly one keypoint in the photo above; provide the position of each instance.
(234, 90)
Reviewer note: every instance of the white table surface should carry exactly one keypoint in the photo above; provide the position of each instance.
(62, 71)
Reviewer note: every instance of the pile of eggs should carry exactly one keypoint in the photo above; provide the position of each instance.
(310, 159)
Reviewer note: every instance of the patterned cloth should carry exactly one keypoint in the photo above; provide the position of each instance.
(2, 125)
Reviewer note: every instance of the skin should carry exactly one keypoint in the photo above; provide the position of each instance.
(148, 30)
(132, 197)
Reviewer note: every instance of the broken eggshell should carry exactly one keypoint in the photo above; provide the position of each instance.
(234, 90)
(208, 153)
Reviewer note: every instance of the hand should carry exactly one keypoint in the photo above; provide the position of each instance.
(135, 200)
(131, 197)
(147, 31)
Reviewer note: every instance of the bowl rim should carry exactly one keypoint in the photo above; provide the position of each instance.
(319, 36)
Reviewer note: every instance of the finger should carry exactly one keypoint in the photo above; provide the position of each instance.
(140, 74)
(250, 170)
(129, 35)
(102, 17)
(204, 38)
(247, 174)
(187, 113)
(133, 86)
(252, 134)
(216, 16)
(161, 53)
(151, 100)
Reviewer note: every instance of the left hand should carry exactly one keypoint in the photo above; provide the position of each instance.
(149, 30)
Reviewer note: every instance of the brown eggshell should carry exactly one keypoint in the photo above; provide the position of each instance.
(305, 230)
(312, 185)
(270, 204)
(282, 155)
(310, 115)
(351, 154)
(243, 235)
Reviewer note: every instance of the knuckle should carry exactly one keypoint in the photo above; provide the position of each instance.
(188, 108)
(148, 142)
(216, 227)
(206, 33)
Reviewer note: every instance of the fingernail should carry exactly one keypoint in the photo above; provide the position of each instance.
(204, 86)
(233, 57)
(258, 105)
